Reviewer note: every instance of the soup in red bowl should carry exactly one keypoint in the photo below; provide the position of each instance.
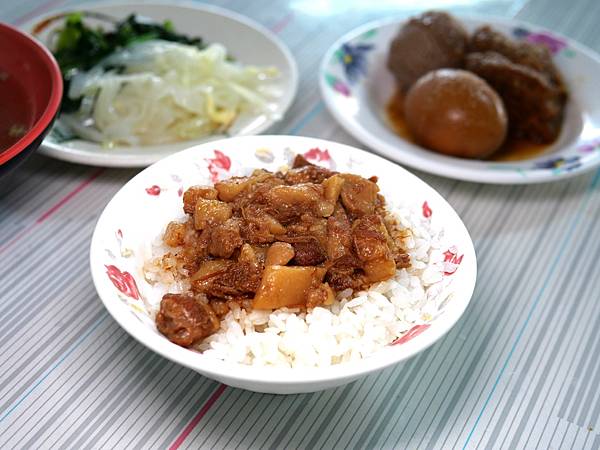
(30, 93)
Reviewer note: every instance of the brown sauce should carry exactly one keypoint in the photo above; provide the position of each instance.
(510, 150)
(518, 151)
(395, 115)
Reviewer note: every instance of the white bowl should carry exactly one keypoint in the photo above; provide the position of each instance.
(247, 41)
(138, 213)
(356, 86)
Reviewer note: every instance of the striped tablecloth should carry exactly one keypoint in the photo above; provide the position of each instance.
(520, 370)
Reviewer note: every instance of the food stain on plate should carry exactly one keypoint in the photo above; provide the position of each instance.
(144, 83)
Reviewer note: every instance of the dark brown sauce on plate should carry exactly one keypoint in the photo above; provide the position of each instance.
(395, 114)
(510, 150)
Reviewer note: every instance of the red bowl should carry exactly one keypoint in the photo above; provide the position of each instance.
(31, 68)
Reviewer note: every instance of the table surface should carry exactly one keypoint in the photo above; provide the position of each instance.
(521, 369)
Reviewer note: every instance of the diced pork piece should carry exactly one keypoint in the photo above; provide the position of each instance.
(340, 278)
(185, 319)
(290, 202)
(259, 227)
(195, 246)
(358, 195)
(308, 226)
(210, 269)
(225, 239)
(307, 174)
(231, 188)
(175, 234)
(333, 188)
(346, 272)
(211, 212)
(379, 269)
(264, 220)
(369, 238)
(248, 255)
(240, 279)
(300, 194)
(193, 194)
(339, 235)
(308, 251)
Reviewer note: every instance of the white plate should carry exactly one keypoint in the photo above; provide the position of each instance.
(247, 41)
(359, 105)
(138, 213)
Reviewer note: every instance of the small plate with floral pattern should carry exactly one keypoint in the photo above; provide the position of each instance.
(357, 86)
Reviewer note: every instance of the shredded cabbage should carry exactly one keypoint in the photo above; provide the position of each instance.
(157, 91)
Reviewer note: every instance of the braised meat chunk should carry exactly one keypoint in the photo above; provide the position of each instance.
(226, 280)
(225, 239)
(533, 103)
(185, 319)
(527, 81)
(346, 272)
(272, 240)
(339, 237)
(431, 41)
(370, 238)
(195, 193)
(359, 196)
(306, 172)
(536, 57)
(308, 252)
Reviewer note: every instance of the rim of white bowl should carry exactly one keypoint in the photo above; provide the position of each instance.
(274, 375)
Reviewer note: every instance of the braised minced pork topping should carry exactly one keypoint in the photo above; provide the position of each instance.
(276, 239)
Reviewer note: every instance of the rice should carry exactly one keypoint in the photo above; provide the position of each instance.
(355, 326)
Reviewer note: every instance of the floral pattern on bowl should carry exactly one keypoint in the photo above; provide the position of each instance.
(554, 44)
(352, 57)
(585, 155)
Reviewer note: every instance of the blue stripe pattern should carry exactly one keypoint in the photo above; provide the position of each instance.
(568, 235)
(54, 366)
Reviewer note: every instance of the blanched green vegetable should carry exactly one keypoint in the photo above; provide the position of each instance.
(80, 47)
(141, 83)
(166, 92)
